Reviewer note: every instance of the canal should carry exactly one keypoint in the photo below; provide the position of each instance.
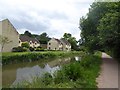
(16, 73)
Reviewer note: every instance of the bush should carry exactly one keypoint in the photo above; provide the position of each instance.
(25, 44)
(73, 71)
(46, 78)
(19, 49)
(39, 49)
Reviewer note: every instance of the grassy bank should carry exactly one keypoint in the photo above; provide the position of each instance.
(80, 74)
(9, 58)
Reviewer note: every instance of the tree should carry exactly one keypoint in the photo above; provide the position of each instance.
(43, 38)
(3, 41)
(71, 40)
(100, 29)
(27, 33)
(67, 35)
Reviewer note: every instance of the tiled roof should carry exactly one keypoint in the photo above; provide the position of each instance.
(58, 40)
(24, 38)
(65, 41)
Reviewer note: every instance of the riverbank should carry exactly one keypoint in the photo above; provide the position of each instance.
(9, 58)
(79, 74)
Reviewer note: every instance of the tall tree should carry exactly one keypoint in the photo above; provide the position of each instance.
(100, 29)
(71, 40)
(43, 38)
(27, 33)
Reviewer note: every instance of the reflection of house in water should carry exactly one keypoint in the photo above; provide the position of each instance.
(29, 72)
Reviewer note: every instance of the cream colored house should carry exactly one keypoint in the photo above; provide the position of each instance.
(8, 31)
(66, 45)
(33, 42)
(56, 44)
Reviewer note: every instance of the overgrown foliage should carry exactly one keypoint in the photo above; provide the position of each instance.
(100, 28)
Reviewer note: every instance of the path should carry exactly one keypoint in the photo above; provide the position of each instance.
(109, 73)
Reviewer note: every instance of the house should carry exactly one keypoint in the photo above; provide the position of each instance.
(56, 44)
(33, 42)
(66, 45)
(10, 36)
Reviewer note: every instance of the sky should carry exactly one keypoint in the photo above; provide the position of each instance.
(55, 17)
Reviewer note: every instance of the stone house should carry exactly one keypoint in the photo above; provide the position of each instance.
(33, 42)
(66, 45)
(7, 30)
(56, 44)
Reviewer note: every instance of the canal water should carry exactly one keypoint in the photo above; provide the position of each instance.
(15, 73)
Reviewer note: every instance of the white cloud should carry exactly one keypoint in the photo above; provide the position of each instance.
(52, 16)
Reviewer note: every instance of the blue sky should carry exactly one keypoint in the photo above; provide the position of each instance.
(55, 17)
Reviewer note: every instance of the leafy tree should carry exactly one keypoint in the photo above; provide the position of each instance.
(67, 35)
(71, 40)
(27, 33)
(100, 28)
(43, 38)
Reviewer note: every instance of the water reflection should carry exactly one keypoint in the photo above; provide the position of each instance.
(28, 72)
(12, 74)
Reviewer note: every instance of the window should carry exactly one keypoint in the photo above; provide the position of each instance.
(19, 41)
(35, 43)
(49, 43)
(30, 42)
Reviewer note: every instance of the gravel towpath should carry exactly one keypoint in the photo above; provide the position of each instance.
(108, 77)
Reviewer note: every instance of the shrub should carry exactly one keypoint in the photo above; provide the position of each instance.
(60, 77)
(46, 78)
(19, 49)
(39, 49)
(25, 49)
(25, 44)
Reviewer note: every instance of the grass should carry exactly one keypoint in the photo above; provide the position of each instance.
(80, 74)
(13, 57)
